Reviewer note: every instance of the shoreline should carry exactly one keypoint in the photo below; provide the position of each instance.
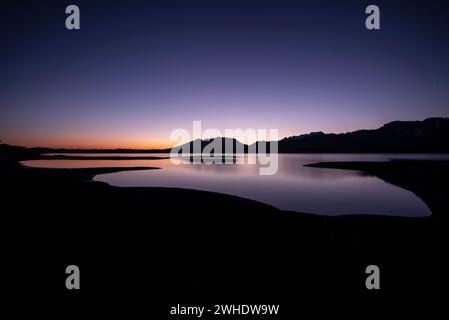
(183, 243)
(395, 172)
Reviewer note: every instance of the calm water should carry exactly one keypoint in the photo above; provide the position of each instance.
(293, 187)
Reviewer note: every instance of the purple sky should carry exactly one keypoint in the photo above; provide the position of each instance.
(136, 71)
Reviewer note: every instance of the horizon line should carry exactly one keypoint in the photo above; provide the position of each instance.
(203, 139)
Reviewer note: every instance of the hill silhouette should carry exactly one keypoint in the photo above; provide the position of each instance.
(428, 136)
(218, 144)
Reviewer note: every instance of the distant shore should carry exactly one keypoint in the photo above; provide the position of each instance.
(87, 157)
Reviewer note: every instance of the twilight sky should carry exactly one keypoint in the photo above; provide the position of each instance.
(139, 69)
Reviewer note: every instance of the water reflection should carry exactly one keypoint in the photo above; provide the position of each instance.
(294, 187)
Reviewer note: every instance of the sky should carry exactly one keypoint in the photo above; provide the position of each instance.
(137, 70)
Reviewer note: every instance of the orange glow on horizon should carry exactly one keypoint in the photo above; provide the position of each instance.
(91, 144)
(159, 140)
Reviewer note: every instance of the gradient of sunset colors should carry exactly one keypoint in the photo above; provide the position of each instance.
(138, 70)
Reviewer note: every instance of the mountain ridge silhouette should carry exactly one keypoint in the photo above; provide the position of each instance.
(427, 136)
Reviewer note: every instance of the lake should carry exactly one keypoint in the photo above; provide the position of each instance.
(294, 187)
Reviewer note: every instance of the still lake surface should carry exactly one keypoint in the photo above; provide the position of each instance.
(294, 187)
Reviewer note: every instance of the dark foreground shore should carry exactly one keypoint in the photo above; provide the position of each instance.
(168, 246)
